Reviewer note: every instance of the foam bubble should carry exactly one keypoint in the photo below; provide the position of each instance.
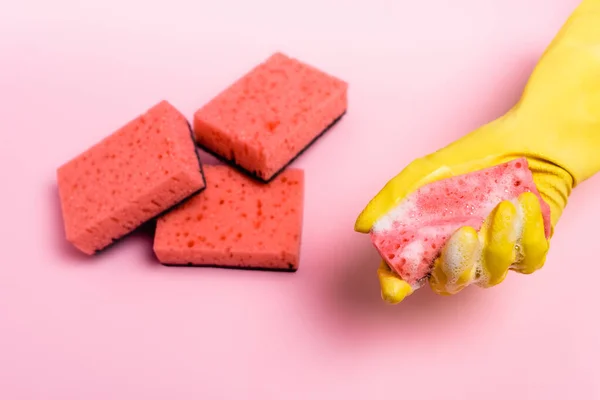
(456, 254)
(418, 284)
(519, 221)
(481, 277)
(402, 212)
(413, 253)
(383, 224)
(454, 257)
(519, 226)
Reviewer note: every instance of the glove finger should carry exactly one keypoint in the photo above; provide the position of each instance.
(393, 288)
(533, 246)
(499, 235)
(455, 268)
(512, 237)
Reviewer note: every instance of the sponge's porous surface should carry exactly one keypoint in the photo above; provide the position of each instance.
(141, 170)
(270, 115)
(236, 222)
(410, 236)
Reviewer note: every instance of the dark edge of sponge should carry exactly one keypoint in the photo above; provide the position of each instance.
(200, 166)
(253, 174)
(171, 208)
(291, 269)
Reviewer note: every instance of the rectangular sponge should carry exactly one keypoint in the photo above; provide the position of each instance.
(263, 121)
(235, 222)
(141, 170)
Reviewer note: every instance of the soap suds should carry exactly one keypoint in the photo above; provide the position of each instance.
(410, 236)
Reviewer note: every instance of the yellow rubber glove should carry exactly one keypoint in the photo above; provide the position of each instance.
(555, 125)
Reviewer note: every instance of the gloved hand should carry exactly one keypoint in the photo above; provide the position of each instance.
(555, 125)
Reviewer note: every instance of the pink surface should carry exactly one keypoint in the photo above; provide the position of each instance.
(123, 327)
(411, 235)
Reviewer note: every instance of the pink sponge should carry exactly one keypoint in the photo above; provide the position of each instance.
(267, 118)
(144, 168)
(236, 222)
(410, 236)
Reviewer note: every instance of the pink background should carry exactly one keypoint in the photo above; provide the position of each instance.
(120, 326)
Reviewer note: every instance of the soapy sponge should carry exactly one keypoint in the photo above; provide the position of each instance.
(411, 236)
